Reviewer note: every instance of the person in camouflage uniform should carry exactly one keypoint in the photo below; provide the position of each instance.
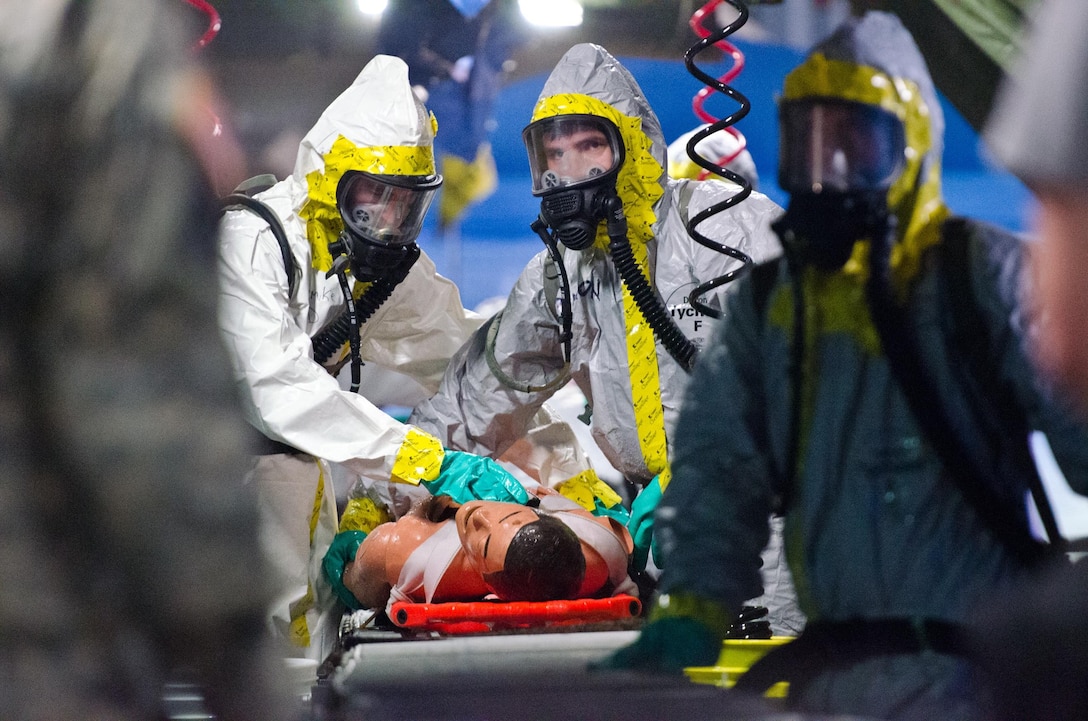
(128, 544)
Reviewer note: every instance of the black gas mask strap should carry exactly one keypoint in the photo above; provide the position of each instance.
(795, 267)
(239, 198)
(540, 227)
(939, 424)
(353, 329)
(561, 284)
(345, 327)
(1002, 422)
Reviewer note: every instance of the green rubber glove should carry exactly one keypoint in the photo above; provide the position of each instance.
(467, 477)
(668, 645)
(641, 524)
(616, 511)
(342, 552)
(683, 630)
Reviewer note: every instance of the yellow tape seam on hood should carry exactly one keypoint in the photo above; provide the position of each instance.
(638, 183)
(322, 218)
(915, 201)
(639, 188)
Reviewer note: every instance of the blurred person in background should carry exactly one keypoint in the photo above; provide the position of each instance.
(874, 385)
(458, 52)
(128, 543)
(1038, 130)
(720, 147)
(1032, 643)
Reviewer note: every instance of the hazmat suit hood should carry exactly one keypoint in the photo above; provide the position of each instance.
(873, 60)
(1040, 122)
(376, 126)
(589, 80)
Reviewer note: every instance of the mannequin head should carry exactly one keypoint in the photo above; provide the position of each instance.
(513, 551)
(521, 553)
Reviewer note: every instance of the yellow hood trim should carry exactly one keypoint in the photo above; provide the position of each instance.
(638, 183)
(638, 186)
(323, 221)
(914, 200)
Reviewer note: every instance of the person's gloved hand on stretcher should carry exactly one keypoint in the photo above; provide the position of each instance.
(467, 477)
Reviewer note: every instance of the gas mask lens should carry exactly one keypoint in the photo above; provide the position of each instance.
(836, 145)
(385, 209)
(572, 151)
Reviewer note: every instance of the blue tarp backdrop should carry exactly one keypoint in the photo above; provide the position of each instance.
(494, 240)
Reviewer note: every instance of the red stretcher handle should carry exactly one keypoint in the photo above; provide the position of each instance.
(478, 616)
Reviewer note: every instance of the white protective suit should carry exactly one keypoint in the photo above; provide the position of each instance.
(717, 147)
(475, 411)
(288, 396)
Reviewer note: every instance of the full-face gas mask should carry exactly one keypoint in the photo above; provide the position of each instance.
(382, 217)
(838, 160)
(574, 161)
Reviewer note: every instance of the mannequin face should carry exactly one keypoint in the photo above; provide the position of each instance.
(486, 529)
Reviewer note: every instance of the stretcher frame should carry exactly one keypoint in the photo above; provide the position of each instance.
(486, 616)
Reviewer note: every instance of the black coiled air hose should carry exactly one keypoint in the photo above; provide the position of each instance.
(664, 327)
(334, 335)
(707, 41)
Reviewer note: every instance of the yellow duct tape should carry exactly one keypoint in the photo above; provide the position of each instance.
(586, 487)
(419, 458)
(299, 629)
(363, 514)
(323, 221)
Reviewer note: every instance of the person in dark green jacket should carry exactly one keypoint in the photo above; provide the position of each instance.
(880, 393)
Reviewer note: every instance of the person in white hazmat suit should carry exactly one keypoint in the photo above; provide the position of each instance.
(350, 214)
(721, 148)
(595, 141)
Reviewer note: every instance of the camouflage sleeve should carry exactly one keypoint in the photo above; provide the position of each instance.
(134, 445)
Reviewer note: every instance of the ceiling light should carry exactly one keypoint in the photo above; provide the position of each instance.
(552, 13)
(371, 7)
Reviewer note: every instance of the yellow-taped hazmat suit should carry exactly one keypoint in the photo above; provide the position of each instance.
(904, 497)
(375, 132)
(613, 349)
